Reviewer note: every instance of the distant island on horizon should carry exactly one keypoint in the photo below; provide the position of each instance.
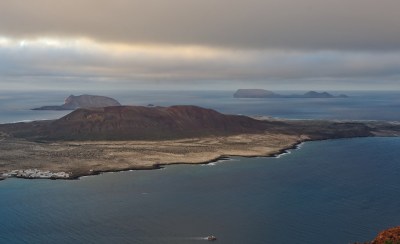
(262, 93)
(82, 101)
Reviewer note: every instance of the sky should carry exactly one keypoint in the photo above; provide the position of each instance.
(200, 44)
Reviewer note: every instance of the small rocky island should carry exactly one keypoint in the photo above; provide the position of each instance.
(83, 101)
(261, 93)
(89, 141)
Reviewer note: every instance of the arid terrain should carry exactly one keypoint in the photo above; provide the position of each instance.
(89, 157)
(90, 141)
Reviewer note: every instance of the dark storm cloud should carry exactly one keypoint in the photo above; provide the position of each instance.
(257, 24)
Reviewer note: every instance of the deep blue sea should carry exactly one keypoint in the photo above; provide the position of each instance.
(335, 191)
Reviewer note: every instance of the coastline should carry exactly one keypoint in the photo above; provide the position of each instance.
(278, 154)
(221, 158)
(160, 165)
(199, 151)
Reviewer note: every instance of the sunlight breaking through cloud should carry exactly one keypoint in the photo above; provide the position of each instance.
(82, 58)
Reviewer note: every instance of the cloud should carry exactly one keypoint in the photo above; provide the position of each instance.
(335, 43)
(252, 24)
(84, 61)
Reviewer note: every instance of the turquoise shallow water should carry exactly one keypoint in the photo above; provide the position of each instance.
(335, 191)
(338, 191)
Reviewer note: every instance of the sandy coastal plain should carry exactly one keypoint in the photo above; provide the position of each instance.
(92, 157)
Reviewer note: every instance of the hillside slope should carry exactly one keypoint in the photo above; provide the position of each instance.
(160, 123)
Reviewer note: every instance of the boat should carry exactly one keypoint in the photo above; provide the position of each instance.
(211, 238)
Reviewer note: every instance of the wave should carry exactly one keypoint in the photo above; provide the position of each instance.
(289, 151)
(213, 163)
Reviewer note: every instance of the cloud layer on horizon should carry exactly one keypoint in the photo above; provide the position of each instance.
(349, 44)
(51, 59)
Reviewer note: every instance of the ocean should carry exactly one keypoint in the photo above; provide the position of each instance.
(334, 191)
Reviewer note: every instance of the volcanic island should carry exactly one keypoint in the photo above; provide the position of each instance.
(90, 141)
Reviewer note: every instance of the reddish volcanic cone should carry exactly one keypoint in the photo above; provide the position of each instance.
(389, 236)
